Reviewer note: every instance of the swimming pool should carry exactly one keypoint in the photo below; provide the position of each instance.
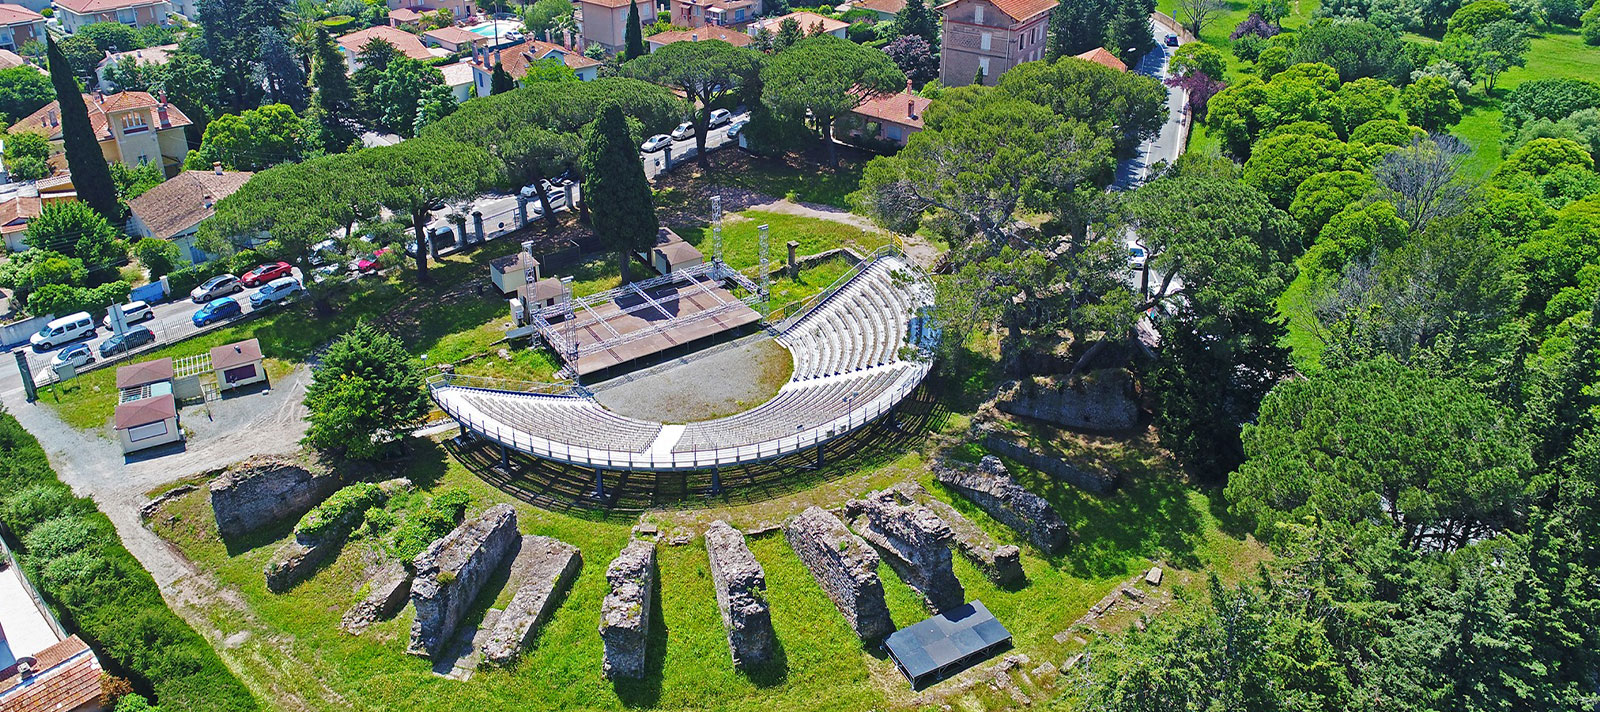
(496, 27)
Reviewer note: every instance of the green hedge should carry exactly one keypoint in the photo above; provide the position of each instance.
(96, 587)
(342, 510)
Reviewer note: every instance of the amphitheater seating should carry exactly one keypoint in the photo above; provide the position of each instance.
(846, 353)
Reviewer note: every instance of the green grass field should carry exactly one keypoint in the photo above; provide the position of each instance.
(1560, 53)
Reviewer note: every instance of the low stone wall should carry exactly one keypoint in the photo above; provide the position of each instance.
(1002, 564)
(552, 564)
(741, 587)
(385, 598)
(918, 544)
(992, 489)
(846, 568)
(1100, 400)
(296, 559)
(1056, 468)
(264, 491)
(450, 572)
(625, 613)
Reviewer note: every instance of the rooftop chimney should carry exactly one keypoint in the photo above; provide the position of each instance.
(216, 167)
(162, 96)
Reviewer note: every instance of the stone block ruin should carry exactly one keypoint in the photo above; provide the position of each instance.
(264, 491)
(917, 542)
(551, 565)
(385, 597)
(1002, 564)
(846, 568)
(625, 613)
(450, 573)
(994, 491)
(741, 587)
(297, 558)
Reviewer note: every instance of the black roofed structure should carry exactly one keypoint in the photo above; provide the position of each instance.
(947, 643)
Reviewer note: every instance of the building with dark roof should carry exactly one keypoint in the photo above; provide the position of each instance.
(148, 422)
(946, 644)
(238, 364)
(173, 210)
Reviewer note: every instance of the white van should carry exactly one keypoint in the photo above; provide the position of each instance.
(64, 330)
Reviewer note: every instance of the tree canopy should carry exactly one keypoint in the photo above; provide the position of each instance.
(826, 77)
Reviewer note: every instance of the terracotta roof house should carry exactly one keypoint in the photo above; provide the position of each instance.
(148, 422)
(698, 34)
(14, 217)
(892, 117)
(18, 25)
(403, 16)
(1101, 56)
(144, 373)
(452, 38)
(725, 13)
(150, 55)
(75, 14)
(605, 22)
(459, 9)
(42, 669)
(990, 36)
(133, 127)
(238, 364)
(518, 57)
(886, 9)
(174, 209)
(408, 44)
(807, 20)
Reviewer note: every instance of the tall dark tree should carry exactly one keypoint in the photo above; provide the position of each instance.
(231, 33)
(327, 74)
(634, 36)
(917, 19)
(1076, 26)
(90, 174)
(413, 177)
(614, 178)
(501, 82)
(1127, 32)
(280, 71)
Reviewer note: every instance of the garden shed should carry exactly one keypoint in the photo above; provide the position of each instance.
(238, 364)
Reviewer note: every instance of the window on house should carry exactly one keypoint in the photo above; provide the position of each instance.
(985, 40)
(145, 432)
(134, 123)
(983, 65)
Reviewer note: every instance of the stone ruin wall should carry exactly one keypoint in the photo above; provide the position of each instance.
(552, 567)
(917, 541)
(846, 568)
(625, 613)
(264, 491)
(992, 489)
(452, 570)
(741, 587)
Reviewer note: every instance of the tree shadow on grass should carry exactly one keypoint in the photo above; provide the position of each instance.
(646, 691)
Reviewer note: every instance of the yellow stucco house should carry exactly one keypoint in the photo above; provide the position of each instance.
(133, 127)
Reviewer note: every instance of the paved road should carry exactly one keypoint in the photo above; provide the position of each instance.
(654, 162)
(1164, 147)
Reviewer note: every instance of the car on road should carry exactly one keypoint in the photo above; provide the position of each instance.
(719, 117)
(1137, 257)
(266, 273)
(369, 263)
(322, 252)
(77, 354)
(1171, 40)
(127, 341)
(736, 127)
(442, 237)
(217, 310)
(132, 313)
(683, 131)
(275, 291)
(219, 286)
(656, 143)
(64, 330)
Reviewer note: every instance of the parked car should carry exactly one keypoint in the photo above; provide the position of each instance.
(656, 143)
(1171, 40)
(64, 330)
(719, 117)
(442, 237)
(217, 310)
(738, 126)
(327, 270)
(132, 313)
(322, 252)
(370, 262)
(77, 354)
(127, 341)
(266, 273)
(275, 291)
(1137, 257)
(683, 131)
(219, 286)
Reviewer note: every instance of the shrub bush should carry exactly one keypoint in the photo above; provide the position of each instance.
(60, 299)
(55, 538)
(453, 501)
(25, 509)
(340, 511)
(338, 23)
(103, 592)
(429, 522)
(181, 281)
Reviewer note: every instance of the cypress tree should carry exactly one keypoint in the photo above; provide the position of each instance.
(501, 81)
(917, 19)
(978, 78)
(614, 178)
(635, 36)
(90, 174)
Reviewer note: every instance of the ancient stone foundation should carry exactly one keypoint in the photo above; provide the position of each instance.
(917, 542)
(385, 598)
(552, 564)
(741, 587)
(264, 491)
(625, 613)
(846, 568)
(296, 559)
(1097, 481)
(1002, 564)
(992, 489)
(450, 572)
(1100, 400)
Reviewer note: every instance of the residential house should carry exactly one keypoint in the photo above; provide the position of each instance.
(699, 13)
(809, 23)
(34, 5)
(173, 210)
(452, 38)
(408, 44)
(887, 10)
(14, 216)
(189, 9)
(157, 55)
(704, 32)
(459, 9)
(1101, 56)
(133, 127)
(605, 22)
(517, 57)
(460, 77)
(9, 59)
(41, 667)
(990, 36)
(19, 25)
(75, 14)
(892, 117)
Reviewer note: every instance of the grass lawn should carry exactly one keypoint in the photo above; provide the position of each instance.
(1216, 32)
(802, 182)
(1560, 53)
(295, 651)
(741, 237)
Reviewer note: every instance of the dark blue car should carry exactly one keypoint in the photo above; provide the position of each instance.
(127, 341)
(217, 310)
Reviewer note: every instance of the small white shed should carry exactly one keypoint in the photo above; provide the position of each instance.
(238, 364)
(147, 423)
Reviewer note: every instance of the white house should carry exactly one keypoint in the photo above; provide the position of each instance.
(75, 14)
(516, 59)
(238, 364)
(149, 55)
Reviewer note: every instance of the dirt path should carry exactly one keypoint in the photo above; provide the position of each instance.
(918, 249)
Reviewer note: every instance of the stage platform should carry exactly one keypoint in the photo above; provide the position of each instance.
(637, 325)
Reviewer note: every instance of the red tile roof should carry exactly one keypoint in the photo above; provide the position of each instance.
(404, 14)
(807, 20)
(892, 107)
(1017, 10)
(644, 7)
(179, 203)
(408, 44)
(1101, 56)
(17, 14)
(9, 59)
(517, 57)
(887, 6)
(66, 677)
(454, 35)
(15, 214)
(709, 32)
(83, 7)
(235, 354)
(145, 411)
(48, 119)
(144, 373)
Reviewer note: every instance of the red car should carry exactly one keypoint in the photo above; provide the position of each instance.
(266, 273)
(370, 262)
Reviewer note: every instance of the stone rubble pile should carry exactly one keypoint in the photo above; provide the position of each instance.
(1002, 564)
(625, 613)
(385, 598)
(917, 542)
(297, 558)
(846, 568)
(741, 587)
(264, 491)
(993, 490)
(452, 570)
(552, 564)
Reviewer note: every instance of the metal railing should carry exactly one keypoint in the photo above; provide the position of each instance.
(487, 383)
